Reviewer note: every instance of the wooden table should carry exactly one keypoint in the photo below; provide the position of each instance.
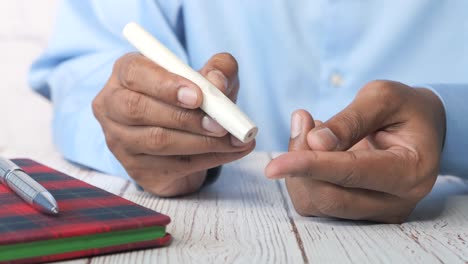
(242, 218)
(246, 218)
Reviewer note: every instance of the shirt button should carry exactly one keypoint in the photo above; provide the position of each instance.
(336, 80)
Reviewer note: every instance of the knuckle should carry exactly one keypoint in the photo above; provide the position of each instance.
(163, 188)
(329, 201)
(135, 106)
(96, 106)
(216, 157)
(351, 178)
(210, 142)
(183, 117)
(419, 180)
(354, 123)
(112, 140)
(133, 169)
(228, 67)
(185, 164)
(185, 159)
(380, 91)
(377, 87)
(419, 191)
(303, 207)
(299, 193)
(164, 83)
(228, 60)
(126, 67)
(158, 139)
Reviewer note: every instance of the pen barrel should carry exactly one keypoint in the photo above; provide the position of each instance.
(215, 103)
(6, 166)
(23, 185)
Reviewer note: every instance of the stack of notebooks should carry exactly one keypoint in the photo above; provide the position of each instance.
(91, 221)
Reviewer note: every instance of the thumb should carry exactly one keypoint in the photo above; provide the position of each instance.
(364, 116)
(301, 123)
(222, 71)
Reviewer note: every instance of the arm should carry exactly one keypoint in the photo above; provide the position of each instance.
(80, 72)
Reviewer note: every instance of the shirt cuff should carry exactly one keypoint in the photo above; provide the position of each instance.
(212, 175)
(455, 150)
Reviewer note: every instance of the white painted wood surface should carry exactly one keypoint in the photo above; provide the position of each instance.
(242, 218)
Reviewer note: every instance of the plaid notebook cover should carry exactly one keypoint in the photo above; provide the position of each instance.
(84, 210)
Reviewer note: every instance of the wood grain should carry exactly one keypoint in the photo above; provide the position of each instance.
(239, 219)
(435, 233)
(243, 217)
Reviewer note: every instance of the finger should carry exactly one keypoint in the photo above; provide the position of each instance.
(133, 108)
(222, 71)
(162, 141)
(324, 199)
(370, 111)
(179, 166)
(139, 74)
(392, 171)
(301, 123)
(364, 144)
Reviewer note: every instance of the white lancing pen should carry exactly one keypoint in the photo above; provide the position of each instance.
(215, 103)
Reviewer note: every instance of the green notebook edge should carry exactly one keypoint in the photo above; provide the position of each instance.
(70, 244)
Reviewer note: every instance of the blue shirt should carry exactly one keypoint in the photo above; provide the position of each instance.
(305, 54)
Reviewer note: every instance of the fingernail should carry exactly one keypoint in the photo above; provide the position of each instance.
(217, 77)
(326, 138)
(211, 125)
(236, 142)
(296, 125)
(187, 96)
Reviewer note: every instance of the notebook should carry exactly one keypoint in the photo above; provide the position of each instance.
(91, 221)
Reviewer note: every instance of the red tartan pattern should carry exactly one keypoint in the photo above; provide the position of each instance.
(84, 210)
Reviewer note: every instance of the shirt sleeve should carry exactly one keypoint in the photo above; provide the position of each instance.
(455, 152)
(85, 43)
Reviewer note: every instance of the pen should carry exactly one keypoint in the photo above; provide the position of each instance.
(215, 103)
(26, 187)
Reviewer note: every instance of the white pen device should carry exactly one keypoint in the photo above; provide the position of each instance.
(215, 103)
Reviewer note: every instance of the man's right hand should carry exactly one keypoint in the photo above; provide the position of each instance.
(154, 127)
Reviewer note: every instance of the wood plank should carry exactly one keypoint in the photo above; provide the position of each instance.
(241, 218)
(436, 232)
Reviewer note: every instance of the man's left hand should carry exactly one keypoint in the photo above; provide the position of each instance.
(375, 160)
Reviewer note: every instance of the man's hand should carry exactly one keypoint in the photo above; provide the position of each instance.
(153, 125)
(375, 160)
